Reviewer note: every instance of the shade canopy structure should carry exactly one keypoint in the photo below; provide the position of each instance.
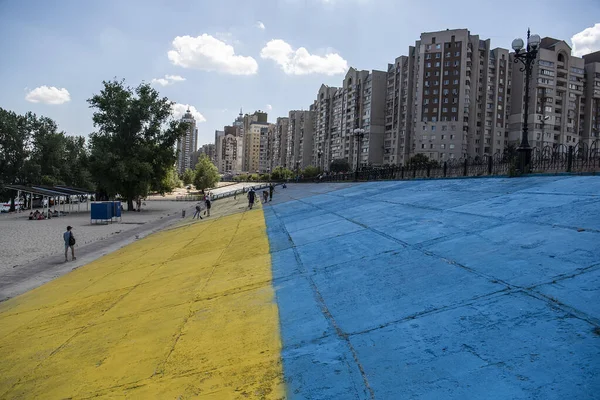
(52, 192)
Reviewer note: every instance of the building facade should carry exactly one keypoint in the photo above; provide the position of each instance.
(300, 139)
(280, 142)
(187, 144)
(591, 117)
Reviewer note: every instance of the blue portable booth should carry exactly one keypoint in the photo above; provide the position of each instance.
(106, 211)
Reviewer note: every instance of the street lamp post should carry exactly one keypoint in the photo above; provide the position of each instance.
(359, 134)
(527, 58)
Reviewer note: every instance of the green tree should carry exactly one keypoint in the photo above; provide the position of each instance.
(169, 182)
(340, 165)
(15, 144)
(311, 171)
(133, 150)
(421, 161)
(207, 174)
(188, 176)
(281, 173)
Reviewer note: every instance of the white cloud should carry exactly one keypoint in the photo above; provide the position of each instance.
(301, 62)
(180, 109)
(587, 41)
(168, 79)
(210, 54)
(269, 107)
(260, 25)
(48, 95)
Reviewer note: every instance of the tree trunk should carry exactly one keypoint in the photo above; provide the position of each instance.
(130, 205)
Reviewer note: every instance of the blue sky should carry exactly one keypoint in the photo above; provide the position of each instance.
(74, 45)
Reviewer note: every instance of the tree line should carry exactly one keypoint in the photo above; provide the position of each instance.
(131, 153)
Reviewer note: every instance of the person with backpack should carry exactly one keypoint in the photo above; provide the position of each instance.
(251, 197)
(207, 204)
(69, 242)
(198, 211)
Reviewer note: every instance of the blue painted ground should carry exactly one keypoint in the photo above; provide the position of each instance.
(441, 289)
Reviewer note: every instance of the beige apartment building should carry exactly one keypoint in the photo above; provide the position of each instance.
(252, 125)
(556, 97)
(323, 122)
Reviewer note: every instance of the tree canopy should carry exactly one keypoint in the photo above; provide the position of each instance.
(206, 174)
(340, 165)
(133, 150)
(421, 161)
(188, 176)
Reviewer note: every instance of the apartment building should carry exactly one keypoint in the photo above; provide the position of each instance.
(323, 122)
(266, 148)
(280, 142)
(187, 144)
(252, 125)
(556, 97)
(591, 127)
(218, 148)
(460, 89)
(300, 139)
(398, 111)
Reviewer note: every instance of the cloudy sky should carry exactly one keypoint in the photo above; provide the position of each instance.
(218, 56)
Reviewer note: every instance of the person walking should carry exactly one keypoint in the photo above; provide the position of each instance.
(69, 242)
(265, 196)
(251, 197)
(207, 204)
(271, 190)
(198, 211)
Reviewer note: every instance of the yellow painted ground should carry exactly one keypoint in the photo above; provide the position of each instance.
(185, 313)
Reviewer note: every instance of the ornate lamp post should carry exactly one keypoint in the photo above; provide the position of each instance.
(527, 58)
(359, 134)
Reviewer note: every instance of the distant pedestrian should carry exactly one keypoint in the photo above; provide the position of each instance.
(207, 204)
(198, 212)
(69, 242)
(251, 197)
(265, 196)
(271, 190)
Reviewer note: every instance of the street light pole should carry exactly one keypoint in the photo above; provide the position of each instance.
(359, 133)
(527, 58)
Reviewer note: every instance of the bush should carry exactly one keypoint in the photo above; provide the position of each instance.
(311, 171)
(339, 165)
(280, 174)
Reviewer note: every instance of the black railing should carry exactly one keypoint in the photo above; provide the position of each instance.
(580, 158)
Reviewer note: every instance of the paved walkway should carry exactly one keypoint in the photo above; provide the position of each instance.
(447, 289)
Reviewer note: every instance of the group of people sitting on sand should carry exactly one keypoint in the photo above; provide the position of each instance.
(37, 215)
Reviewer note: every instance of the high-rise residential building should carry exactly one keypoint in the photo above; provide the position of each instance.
(252, 126)
(187, 144)
(323, 120)
(210, 150)
(398, 111)
(460, 88)
(231, 149)
(280, 142)
(591, 128)
(300, 139)
(556, 97)
(218, 148)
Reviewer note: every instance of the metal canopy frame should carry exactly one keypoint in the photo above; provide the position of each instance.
(52, 192)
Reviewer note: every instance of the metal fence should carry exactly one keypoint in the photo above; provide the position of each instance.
(580, 158)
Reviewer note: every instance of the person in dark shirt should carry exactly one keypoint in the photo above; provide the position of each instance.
(69, 242)
(251, 197)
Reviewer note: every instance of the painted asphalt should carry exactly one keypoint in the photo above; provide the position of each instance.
(445, 289)
(184, 313)
(440, 289)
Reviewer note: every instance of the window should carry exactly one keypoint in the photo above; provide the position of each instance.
(446, 91)
(445, 100)
(446, 63)
(428, 56)
(428, 65)
(545, 63)
(451, 146)
(452, 136)
(448, 54)
(444, 128)
(435, 101)
(437, 73)
(438, 55)
(457, 54)
(453, 109)
(446, 82)
(437, 64)
(423, 146)
(442, 146)
(444, 110)
(438, 46)
(456, 63)
(431, 146)
(426, 91)
(433, 130)
(446, 73)
(428, 47)
(435, 91)
(577, 70)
